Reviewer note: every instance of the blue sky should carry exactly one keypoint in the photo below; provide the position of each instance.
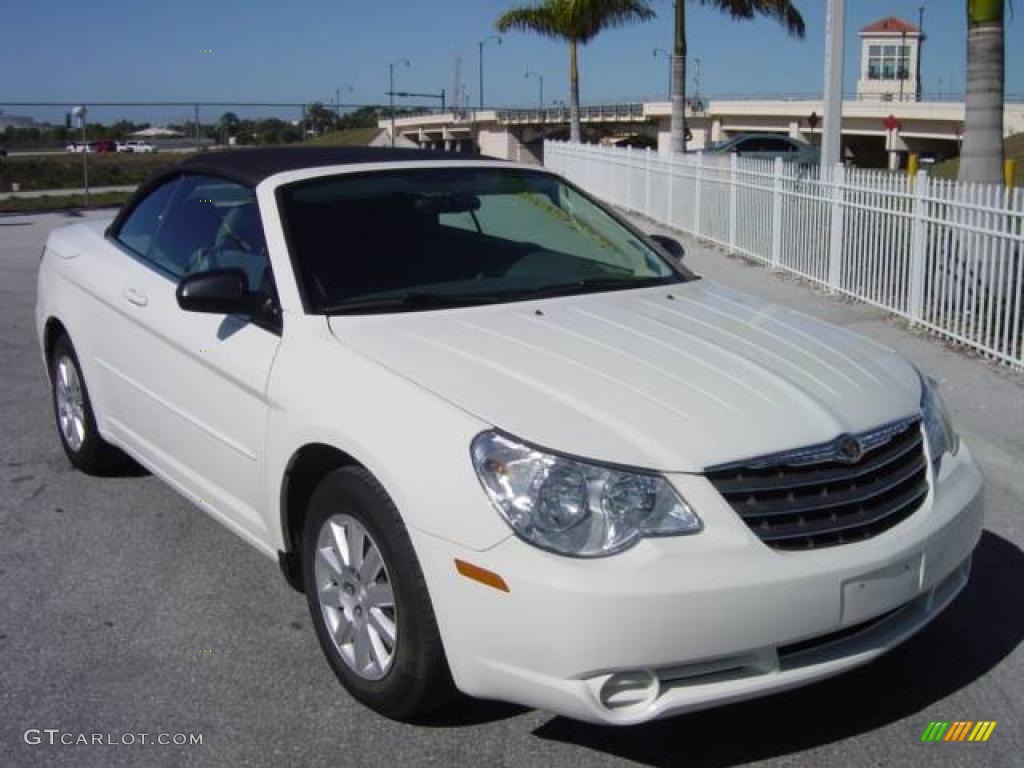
(302, 50)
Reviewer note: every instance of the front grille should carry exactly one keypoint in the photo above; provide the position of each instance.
(809, 499)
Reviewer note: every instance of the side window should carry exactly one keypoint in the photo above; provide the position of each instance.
(140, 228)
(777, 145)
(213, 224)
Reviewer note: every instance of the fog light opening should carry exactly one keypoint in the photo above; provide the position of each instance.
(629, 690)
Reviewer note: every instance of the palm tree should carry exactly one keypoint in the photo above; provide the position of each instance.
(576, 22)
(781, 10)
(981, 157)
(228, 125)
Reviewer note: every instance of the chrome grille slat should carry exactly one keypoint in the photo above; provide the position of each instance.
(851, 522)
(819, 501)
(809, 506)
(752, 483)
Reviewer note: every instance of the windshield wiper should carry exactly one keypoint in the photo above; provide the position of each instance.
(411, 300)
(592, 285)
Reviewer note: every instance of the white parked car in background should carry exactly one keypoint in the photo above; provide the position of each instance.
(134, 145)
(503, 441)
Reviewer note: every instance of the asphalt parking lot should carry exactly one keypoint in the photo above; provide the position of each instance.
(126, 611)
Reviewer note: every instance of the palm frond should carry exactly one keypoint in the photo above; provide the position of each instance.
(783, 11)
(589, 17)
(579, 20)
(541, 19)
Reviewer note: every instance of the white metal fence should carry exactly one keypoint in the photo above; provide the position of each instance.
(945, 255)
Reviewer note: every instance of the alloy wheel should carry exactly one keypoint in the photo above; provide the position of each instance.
(356, 597)
(70, 403)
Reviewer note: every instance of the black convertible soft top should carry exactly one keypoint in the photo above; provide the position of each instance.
(251, 166)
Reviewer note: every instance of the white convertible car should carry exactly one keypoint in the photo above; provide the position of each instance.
(503, 441)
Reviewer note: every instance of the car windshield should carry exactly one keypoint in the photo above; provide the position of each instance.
(430, 238)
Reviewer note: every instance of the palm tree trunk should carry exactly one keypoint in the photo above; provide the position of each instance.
(575, 133)
(981, 158)
(678, 125)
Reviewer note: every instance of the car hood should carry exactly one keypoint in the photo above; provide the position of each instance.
(676, 379)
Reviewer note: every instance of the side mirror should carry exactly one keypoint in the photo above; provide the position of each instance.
(671, 246)
(220, 292)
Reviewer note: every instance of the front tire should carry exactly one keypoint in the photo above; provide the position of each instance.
(368, 599)
(76, 421)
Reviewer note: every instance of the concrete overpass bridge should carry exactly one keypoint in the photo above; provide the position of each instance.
(876, 133)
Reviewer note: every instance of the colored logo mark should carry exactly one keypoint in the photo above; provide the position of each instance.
(959, 730)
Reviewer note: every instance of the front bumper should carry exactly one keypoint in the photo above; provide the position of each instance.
(685, 623)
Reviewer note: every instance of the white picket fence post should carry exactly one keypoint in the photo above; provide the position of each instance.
(629, 174)
(918, 248)
(835, 242)
(733, 197)
(670, 179)
(698, 199)
(947, 256)
(776, 257)
(647, 181)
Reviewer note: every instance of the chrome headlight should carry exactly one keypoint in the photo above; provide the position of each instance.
(574, 508)
(938, 426)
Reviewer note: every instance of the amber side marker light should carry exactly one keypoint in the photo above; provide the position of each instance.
(476, 573)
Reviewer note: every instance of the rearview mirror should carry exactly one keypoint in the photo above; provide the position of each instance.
(671, 246)
(220, 292)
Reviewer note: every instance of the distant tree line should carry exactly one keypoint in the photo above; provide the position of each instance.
(317, 120)
(45, 135)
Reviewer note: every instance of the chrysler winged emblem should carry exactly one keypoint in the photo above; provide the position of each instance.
(847, 449)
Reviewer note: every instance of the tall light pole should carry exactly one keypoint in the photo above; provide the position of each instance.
(391, 92)
(662, 52)
(540, 78)
(696, 85)
(481, 45)
(337, 97)
(80, 114)
(832, 130)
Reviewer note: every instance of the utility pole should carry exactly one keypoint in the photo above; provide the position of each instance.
(480, 46)
(696, 86)
(832, 131)
(391, 93)
(198, 144)
(902, 72)
(540, 79)
(920, 46)
(80, 113)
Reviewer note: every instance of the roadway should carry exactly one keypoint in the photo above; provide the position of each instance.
(126, 610)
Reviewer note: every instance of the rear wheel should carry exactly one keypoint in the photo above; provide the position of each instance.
(368, 599)
(76, 422)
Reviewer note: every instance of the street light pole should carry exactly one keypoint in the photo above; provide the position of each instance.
(481, 45)
(540, 79)
(391, 93)
(832, 130)
(80, 113)
(337, 97)
(662, 52)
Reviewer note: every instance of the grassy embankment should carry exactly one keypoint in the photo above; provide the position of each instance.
(113, 170)
(61, 202)
(32, 172)
(352, 137)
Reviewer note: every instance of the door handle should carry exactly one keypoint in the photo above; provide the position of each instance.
(135, 296)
